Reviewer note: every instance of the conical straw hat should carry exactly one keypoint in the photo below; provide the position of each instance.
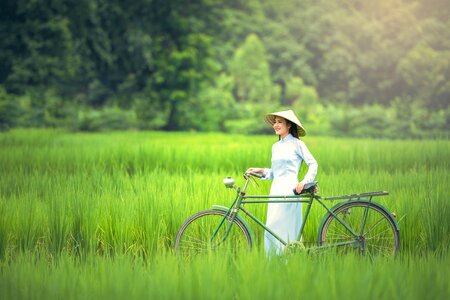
(288, 115)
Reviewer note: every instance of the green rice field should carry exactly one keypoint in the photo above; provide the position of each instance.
(94, 216)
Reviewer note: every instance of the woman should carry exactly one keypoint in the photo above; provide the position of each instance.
(285, 219)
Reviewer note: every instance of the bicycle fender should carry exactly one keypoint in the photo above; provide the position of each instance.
(338, 205)
(240, 218)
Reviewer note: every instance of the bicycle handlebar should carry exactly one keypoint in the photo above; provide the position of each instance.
(253, 174)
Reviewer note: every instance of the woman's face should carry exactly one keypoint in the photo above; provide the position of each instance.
(281, 127)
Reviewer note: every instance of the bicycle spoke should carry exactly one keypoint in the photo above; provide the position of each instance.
(375, 225)
(379, 234)
(341, 228)
(387, 229)
(193, 242)
(380, 249)
(338, 237)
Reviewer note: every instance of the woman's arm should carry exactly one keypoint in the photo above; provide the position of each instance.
(310, 161)
(264, 172)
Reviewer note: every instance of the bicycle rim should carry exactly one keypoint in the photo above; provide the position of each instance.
(202, 233)
(378, 237)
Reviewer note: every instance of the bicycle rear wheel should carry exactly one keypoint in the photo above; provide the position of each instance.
(378, 235)
(206, 231)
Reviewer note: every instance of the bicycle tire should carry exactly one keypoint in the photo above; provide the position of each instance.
(379, 237)
(194, 236)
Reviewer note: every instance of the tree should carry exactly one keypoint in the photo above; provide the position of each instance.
(426, 73)
(251, 72)
(213, 105)
(8, 110)
(40, 51)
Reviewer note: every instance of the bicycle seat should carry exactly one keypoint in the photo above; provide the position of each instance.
(308, 188)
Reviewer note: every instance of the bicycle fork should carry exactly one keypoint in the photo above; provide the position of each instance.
(230, 215)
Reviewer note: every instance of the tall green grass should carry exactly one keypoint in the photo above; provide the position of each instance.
(108, 206)
(323, 276)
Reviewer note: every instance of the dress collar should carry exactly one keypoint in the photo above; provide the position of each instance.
(286, 138)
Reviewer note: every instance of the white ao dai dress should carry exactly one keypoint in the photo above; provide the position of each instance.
(285, 219)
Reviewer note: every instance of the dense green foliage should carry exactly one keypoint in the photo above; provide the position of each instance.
(347, 67)
(95, 216)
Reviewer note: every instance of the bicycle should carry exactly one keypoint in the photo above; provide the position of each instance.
(356, 224)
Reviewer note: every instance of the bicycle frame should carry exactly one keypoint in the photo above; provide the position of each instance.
(309, 198)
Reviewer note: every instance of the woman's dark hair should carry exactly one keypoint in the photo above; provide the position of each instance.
(292, 130)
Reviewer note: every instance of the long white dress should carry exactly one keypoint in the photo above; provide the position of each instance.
(285, 219)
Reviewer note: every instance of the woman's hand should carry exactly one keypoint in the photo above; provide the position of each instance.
(259, 171)
(299, 187)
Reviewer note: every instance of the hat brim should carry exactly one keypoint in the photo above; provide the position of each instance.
(270, 119)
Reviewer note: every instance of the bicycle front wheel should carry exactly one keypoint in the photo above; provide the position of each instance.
(374, 232)
(211, 230)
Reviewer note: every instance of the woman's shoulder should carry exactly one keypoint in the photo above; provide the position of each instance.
(300, 144)
(298, 141)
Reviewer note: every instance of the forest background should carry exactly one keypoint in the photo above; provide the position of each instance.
(354, 68)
